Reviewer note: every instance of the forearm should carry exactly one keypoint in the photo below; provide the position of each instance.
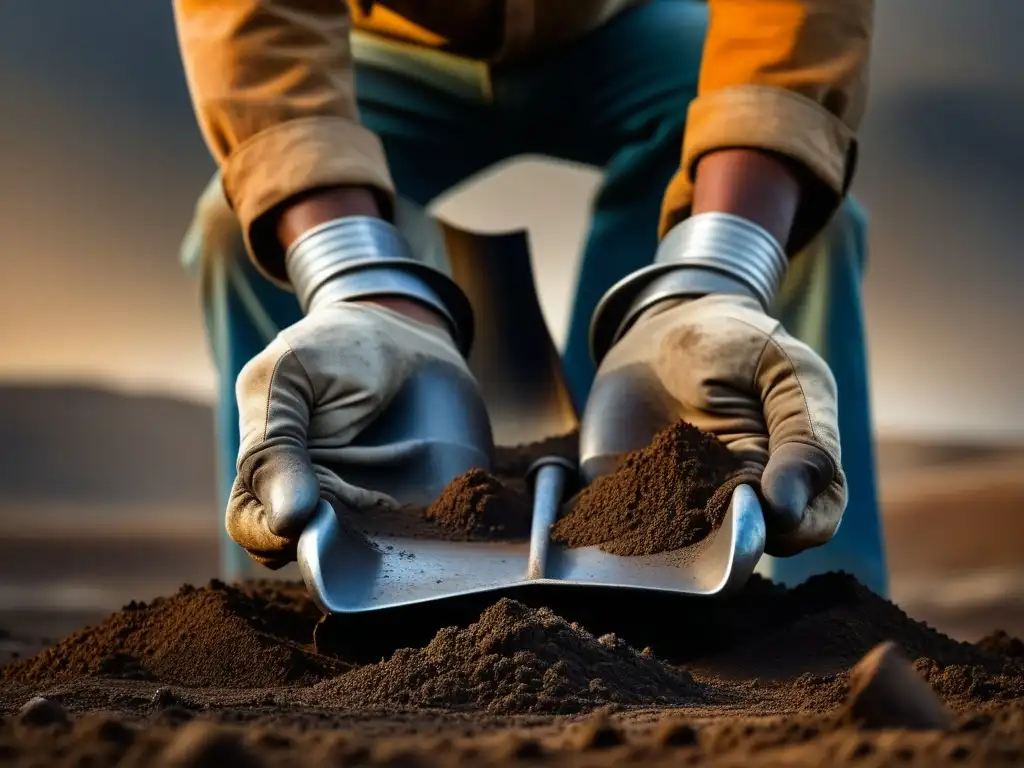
(272, 86)
(752, 184)
(787, 78)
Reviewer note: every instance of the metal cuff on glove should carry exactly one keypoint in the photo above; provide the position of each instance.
(707, 253)
(360, 257)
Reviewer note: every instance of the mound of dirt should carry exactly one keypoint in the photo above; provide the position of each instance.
(477, 504)
(824, 626)
(669, 495)
(973, 685)
(218, 636)
(513, 659)
(170, 682)
(238, 656)
(1002, 644)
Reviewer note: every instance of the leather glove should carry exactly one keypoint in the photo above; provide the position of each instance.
(302, 401)
(722, 364)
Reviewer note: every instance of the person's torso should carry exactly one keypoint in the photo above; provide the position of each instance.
(490, 30)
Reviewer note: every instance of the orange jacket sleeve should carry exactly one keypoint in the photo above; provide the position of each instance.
(788, 77)
(272, 85)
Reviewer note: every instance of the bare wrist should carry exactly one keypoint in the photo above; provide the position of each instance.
(313, 208)
(760, 187)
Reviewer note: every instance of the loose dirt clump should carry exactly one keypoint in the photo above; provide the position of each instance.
(476, 504)
(219, 635)
(513, 659)
(669, 495)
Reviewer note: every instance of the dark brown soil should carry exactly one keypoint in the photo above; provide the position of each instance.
(513, 659)
(477, 505)
(474, 506)
(226, 675)
(229, 675)
(667, 496)
(220, 635)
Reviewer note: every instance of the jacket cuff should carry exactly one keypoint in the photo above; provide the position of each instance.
(294, 157)
(777, 121)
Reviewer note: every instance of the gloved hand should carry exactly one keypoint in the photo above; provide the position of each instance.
(722, 364)
(302, 400)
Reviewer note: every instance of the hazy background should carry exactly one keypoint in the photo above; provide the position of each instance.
(100, 165)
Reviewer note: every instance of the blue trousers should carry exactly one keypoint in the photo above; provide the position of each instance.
(616, 100)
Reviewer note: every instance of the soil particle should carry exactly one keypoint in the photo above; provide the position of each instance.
(887, 692)
(1002, 644)
(205, 745)
(40, 711)
(667, 496)
(216, 636)
(514, 659)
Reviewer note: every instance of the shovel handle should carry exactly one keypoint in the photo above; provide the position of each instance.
(549, 476)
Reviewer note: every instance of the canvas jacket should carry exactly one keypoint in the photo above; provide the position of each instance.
(273, 79)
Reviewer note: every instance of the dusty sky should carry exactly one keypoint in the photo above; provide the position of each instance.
(100, 163)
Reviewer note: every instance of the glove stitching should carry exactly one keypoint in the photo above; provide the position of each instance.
(803, 396)
(800, 386)
(757, 365)
(807, 412)
(273, 377)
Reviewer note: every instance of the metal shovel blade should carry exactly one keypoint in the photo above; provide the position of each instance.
(519, 374)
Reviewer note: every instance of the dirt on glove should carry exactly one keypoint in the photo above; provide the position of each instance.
(668, 496)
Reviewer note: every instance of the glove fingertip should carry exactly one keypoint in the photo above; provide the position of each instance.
(290, 504)
(787, 494)
(289, 491)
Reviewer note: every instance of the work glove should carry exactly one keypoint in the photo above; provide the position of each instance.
(303, 400)
(720, 363)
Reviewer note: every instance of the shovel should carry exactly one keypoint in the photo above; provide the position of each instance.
(519, 374)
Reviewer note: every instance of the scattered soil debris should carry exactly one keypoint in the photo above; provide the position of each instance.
(224, 670)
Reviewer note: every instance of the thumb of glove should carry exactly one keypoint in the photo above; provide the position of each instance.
(794, 475)
(285, 483)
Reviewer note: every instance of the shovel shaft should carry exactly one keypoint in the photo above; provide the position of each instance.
(549, 486)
